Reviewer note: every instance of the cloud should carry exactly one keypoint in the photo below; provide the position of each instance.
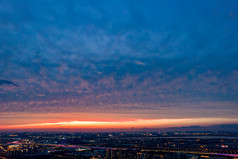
(139, 63)
(85, 56)
(6, 82)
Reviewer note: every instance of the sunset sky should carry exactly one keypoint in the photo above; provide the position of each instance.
(118, 63)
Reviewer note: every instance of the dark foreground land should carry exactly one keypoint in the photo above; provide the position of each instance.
(123, 145)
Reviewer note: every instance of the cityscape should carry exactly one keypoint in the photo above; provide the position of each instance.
(118, 79)
(120, 145)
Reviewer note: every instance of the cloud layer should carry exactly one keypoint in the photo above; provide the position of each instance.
(118, 56)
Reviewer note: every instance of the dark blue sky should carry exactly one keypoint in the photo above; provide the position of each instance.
(156, 58)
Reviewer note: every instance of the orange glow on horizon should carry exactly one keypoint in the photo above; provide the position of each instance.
(121, 124)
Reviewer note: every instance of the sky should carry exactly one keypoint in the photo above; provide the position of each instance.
(118, 63)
